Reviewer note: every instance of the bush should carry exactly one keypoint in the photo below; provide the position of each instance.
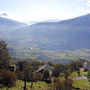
(7, 78)
(88, 75)
(60, 84)
(58, 68)
(19, 74)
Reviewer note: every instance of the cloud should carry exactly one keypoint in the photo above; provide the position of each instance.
(86, 2)
(12, 16)
(87, 11)
(4, 14)
(80, 0)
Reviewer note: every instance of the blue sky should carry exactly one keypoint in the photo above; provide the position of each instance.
(37, 10)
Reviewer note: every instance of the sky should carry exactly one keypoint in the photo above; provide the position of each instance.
(38, 10)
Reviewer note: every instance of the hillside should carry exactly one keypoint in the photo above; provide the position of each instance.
(68, 34)
(57, 40)
(7, 25)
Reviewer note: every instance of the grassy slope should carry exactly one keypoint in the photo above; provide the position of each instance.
(36, 86)
(82, 84)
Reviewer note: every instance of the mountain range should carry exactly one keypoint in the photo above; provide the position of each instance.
(68, 34)
(72, 34)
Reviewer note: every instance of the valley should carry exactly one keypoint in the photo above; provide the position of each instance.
(48, 41)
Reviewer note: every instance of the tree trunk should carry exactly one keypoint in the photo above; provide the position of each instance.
(25, 85)
(31, 84)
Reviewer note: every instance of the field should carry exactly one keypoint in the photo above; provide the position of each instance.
(82, 84)
(34, 52)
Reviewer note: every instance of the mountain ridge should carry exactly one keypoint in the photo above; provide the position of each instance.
(10, 25)
(68, 35)
(62, 32)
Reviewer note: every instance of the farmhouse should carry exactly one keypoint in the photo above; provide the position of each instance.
(44, 67)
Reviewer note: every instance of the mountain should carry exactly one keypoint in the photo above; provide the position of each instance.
(68, 34)
(7, 25)
(63, 39)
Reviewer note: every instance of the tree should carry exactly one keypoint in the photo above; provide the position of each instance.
(76, 65)
(28, 76)
(66, 70)
(59, 68)
(60, 84)
(4, 55)
(22, 65)
(46, 76)
(78, 72)
(19, 74)
(50, 64)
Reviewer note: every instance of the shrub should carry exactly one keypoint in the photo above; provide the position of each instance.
(19, 74)
(88, 75)
(60, 84)
(58, 68)
(7, 78)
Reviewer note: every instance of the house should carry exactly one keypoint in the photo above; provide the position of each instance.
(44, 67)
(12, 68)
